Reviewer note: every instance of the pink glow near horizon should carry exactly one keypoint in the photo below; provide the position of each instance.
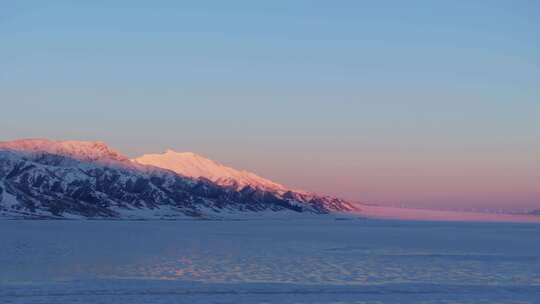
(433, 103)
(465, 185)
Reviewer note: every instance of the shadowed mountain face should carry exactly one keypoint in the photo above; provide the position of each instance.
(43, 178)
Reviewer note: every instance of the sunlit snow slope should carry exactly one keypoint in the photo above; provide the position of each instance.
(196, 166)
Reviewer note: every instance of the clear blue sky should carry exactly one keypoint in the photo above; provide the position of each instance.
(428, 103)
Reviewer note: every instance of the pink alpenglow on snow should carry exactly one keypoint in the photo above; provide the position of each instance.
(196, 166)
(79, 150)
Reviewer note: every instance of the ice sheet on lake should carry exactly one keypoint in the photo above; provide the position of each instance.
(277, 261)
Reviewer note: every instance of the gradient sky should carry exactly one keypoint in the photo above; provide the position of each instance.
(424, 103)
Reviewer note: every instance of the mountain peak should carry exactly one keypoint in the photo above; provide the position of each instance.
(80, 150)
(185, 154)
(196, 166)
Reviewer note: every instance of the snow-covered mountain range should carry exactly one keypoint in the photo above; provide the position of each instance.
(77, 179)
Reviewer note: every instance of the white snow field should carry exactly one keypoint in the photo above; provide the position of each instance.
(311, 260)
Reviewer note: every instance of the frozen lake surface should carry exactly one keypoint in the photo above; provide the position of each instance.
(313, 260)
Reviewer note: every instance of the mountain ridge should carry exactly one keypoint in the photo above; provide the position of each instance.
(79, 150)
(77, 179)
